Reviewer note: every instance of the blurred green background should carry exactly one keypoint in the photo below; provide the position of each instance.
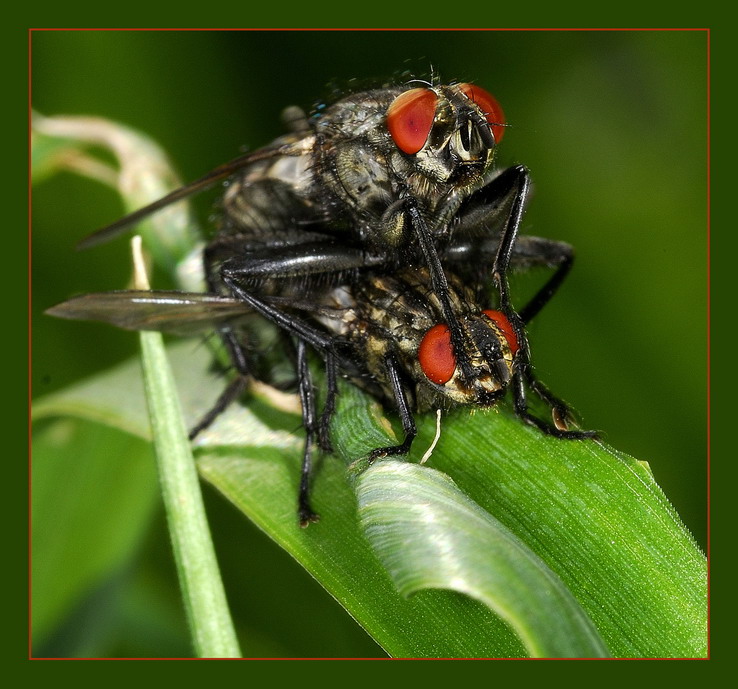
(613, 128)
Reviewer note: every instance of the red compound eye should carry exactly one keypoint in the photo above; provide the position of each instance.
(489, 106)
(436, 355)
(410, 118)
(503, 324)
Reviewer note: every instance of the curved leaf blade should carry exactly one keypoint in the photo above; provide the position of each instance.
(143, 174)
(429, 535)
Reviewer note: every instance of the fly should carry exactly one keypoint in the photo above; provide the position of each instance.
(385, 333)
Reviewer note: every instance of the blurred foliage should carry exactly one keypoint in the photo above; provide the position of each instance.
(613, 128)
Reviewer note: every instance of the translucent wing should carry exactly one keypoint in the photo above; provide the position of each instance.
(127, 221)
(183, 313)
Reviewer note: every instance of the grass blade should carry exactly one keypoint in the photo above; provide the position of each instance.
(202, 588)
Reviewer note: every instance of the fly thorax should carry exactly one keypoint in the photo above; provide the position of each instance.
(358, 175)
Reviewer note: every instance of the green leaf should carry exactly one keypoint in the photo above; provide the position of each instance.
(599, 519)
(596, 518)
(143, 174)
(90, 511)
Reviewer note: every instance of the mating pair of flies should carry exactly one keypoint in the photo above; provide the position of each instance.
(375, 233)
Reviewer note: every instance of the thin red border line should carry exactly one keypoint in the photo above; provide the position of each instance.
(518, 658)
(708, 218)
(30, 352)
(709, 321)
(317, 28)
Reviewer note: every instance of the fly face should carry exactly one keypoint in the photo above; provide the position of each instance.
(491, 349)
(451, 131)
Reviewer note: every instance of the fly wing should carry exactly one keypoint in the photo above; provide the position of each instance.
(183, 313)
(122, 225)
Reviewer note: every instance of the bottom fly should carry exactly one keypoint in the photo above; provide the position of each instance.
(383, 332)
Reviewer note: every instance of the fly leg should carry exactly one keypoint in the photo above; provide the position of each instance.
(563, 259)
(234, 389)
(487, 225)
(305, 334)
(506, 195)
(440, 288)
(559, 409)
(550, 253)
(299, 261)
(513, 185)
(527, 252)
(518, 179)
(309, 418)
(329, 407)
(406, 416)
(238, 359)
(311, 258)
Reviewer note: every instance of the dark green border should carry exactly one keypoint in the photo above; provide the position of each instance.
(722, 240)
